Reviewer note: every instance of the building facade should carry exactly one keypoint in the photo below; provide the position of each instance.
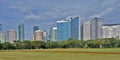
(75, 28)
(2, 37)
(53, 34)
(96, 28)
(111, 31)
(63, 30)
(21, 32)
(39, 35)
(12, 35)
(92, 29)
(86, 30)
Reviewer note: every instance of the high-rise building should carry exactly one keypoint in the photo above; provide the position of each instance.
(53, 34)
(75, 28)
(96, 28)
(21, 32)
(111, 31)
(2, 37)
(86, 30)
(35, 28)
(63, 30)
(39, 35)
(92, 29)
(0, 27)
(45, 35)
(12, 35)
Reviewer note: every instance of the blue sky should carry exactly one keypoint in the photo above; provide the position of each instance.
(45, 13)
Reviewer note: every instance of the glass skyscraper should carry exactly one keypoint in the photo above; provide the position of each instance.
(63, 30)
(21, 32)
(75, 28)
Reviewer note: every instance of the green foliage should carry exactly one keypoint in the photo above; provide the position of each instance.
(70, 43)
(7, 45)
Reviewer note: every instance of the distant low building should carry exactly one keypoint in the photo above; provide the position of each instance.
(111, 31)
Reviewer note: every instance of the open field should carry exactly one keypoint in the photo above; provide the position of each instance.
(61, 54)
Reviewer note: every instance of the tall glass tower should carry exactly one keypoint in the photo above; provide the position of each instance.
(75, 28)
(63, 30)
(21, 32)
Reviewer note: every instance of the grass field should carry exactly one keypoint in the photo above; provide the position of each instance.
(60, 54)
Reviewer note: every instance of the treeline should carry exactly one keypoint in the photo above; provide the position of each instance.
(71, 43)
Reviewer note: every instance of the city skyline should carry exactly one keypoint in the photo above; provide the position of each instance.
(45, 13)
(65, 29)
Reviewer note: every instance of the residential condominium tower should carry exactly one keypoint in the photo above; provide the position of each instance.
(53, 34)
(39, 35)
(86, 30)
(12, 35)
(21, 32)
(92, 29)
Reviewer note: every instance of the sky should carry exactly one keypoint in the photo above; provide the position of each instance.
(45, 13)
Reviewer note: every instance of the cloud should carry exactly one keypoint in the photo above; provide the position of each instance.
(45, 15)
(21, 8)
(105, 8)
(104, 13)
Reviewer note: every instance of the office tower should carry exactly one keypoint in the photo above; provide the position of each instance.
(12, 35)
(35, 28)
(92, 29)
(53, 34)
(111, 31)
(21, 32)
(39, 35)
(63, 30)
(2, 37)
(75, 28)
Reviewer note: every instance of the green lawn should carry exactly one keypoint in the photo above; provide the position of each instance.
(55, 54)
